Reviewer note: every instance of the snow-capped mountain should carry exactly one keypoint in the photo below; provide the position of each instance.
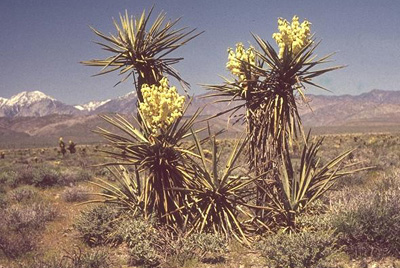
(33, 103)
(2, 101)
(36, 103)
(374, 107)
(91, 106)
(124, 105)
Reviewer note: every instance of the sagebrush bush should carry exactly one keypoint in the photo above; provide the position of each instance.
(75, 194)
(299, 250)
(97, 224)
(144, 254)
(38, 175)
(43, 175)
(134, 230)
(368, 221)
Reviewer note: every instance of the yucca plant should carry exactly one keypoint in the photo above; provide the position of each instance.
(219, 199)
(142, 50)
(154, 147)
(300, 184)
(268, 86)
(160, 163)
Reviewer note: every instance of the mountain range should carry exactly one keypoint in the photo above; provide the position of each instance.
(35, 114)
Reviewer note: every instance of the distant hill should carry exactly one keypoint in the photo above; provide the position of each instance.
(377, 107)
(32, 118)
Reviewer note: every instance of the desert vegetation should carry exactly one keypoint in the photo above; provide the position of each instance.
(355, 224)
(162, 192)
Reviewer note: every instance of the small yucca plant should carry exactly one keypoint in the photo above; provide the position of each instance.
(219, 198)
(301, 184)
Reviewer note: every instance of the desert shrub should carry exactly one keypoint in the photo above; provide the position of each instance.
(15, 244)
(37, 175)
(368, 222)
(204, 247)
(75, 194)
(166, 247)
(43, 175)
(95, 258)
(34, 216)
(144, 254)
(133, 230)
(46, 176)
(20, 226)
(96, 225)
(73, 176)
(148, 244)
(151, 245)
(299, 250)
(23, 176)
(8, 177)
(22, 194)
(105, 172)
(3, 201)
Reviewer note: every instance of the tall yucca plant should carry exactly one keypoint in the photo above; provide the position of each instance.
(142, 50)
(161, 165)
(269, 90)
(270, 94)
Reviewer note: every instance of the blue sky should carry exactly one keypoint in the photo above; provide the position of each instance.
(42, 42)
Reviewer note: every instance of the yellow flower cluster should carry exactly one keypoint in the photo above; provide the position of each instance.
(293, 36)
(161, 105)
(234, 63)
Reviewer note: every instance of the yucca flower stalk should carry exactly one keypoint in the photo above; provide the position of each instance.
(142, 50)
